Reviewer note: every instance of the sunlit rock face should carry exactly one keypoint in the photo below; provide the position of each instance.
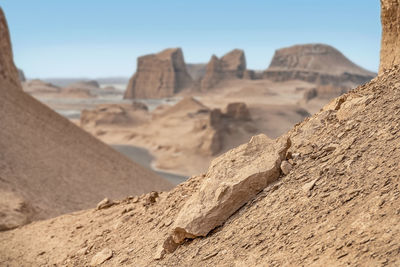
(390, 44)
(159, 75)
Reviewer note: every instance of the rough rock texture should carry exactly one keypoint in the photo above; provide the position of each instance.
(390, 43)
(232, 65)
(49, 166)
(233, 179)
(159, 75)
(9, 77)
(316, 63)
(338, 206)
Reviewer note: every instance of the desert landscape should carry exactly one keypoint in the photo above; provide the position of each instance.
(205, 164)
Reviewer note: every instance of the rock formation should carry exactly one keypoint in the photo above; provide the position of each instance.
(335, 203)
(159, 75)
(316, 63)
(229, 183)
(9, 77)
(49, 166)
(115, 114)
(218, 125)
(231, 66)
(390, 43)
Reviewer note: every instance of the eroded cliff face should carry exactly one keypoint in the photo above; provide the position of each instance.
(390, 44)
(231, 66)
(159, 75)
(316, 63)
(9, 77)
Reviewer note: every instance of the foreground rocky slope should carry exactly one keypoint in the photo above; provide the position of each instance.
(49, 166)
(336, 202)
(316, 63)
(159, 75)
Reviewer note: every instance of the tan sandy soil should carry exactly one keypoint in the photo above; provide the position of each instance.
(338, 206)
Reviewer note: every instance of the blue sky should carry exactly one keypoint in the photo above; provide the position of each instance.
(101, 38)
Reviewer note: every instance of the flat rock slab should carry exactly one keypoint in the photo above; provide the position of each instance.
(232, 180)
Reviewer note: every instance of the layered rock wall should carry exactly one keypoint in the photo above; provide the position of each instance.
(159, 75)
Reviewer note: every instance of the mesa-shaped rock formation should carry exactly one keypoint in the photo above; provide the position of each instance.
(159, 75)
(390, 43)
(49, 166)
(316, 63)
(231, 66)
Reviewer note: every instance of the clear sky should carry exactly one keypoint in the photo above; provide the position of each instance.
(102, 38)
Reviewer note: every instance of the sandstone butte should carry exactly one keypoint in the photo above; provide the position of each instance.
(49, 166)
(231, 66)
(159, 75)
(327, 195)
(316, 63)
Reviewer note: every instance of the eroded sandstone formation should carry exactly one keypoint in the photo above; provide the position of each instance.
(220, 124)
(159, 75)
(390, 43)
(316, 63)
(9, 77)
(232, 65)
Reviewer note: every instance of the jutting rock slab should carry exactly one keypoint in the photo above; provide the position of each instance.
(233, 179)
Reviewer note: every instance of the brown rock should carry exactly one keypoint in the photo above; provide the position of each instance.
(233, 179)
(231, 66)
(101, 257)
(316, 63)
(105, 203)
(9, 77)
(286, 167)
(159, 75)
(390, 43)
(238, 111)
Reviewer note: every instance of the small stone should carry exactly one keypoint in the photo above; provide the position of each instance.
(309, 186)
(105, 203)
(82, 251)
(101, 257)
(160, 252)
(286, 167)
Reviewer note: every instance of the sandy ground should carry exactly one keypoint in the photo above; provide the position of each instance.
(173, 142)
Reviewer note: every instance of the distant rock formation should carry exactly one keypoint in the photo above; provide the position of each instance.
(84, 84)
(9, 77)
(316, 63)
(21, 75)
(219, 124)
(232, 65)
(114, 114)
(390, 44)
(159, 75)
(196, 71)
